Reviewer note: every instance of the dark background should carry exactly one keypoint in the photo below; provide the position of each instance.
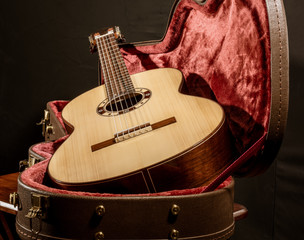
(44, 56)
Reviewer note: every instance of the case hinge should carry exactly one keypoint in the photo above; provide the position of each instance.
(14, 200)
(24, 164)
(47, 128)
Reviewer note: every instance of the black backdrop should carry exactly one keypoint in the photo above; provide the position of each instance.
(44, 56)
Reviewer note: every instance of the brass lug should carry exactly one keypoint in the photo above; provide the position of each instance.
(174, 234)
(34, 212)
(24, 164)
(100, 210)
(49, 129)
(99, 235)
(14, 199)
(175, 209)
(40, 204)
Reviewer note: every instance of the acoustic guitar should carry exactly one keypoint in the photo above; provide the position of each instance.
(139, 133)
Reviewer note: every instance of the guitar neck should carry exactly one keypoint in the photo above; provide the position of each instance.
(115, 74)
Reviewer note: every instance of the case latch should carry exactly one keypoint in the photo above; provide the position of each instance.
(40, 204)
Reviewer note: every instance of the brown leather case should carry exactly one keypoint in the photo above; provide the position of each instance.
(46, 215)
(199, 216)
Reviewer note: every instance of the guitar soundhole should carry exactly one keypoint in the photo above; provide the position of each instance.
(124, 103)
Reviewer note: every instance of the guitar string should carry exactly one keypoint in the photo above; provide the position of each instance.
(103, 59)
(114, 82)
(126, 73)
(119, 75)
(115, 90)
(121, 63)
(126, 81)
(127, 85)
(106, 82)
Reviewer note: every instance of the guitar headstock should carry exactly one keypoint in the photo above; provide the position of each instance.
(117, 34)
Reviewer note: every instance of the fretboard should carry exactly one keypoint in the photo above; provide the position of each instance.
(115, 74)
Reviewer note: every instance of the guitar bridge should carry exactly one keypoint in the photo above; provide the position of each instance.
(132, 132)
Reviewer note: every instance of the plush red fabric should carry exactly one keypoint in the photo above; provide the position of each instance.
(57, 107)
(223, 46)
(47, 149)
(223, 50)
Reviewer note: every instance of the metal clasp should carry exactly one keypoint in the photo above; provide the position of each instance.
(40, 204)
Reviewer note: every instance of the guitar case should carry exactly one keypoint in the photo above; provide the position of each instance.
(232, 51)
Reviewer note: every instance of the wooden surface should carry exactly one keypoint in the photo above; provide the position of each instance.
(196, 120)
(8, 184)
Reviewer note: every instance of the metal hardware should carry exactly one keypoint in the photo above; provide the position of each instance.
(49, 129)
(14, 199)
(99, 235)
(174, 234)
(45, 122)
(34, 212)
(100, 210)
(175, 209)
(24, 164)
(32, 160)
(40, 204)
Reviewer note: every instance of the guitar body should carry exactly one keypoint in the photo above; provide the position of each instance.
(186, 144)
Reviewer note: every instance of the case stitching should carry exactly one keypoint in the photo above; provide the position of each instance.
(27, 235)
(280, 69)
(223, 235)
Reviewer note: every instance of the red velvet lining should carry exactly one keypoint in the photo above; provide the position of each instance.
(57, 107)
(223, 46)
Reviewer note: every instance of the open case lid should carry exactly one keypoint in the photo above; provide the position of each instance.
(234, 52)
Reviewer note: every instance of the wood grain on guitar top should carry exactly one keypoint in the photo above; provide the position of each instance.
(184, 153)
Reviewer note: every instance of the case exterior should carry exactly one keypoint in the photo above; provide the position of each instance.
(197, 216)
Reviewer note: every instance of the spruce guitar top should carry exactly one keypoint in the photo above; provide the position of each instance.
(139, 133)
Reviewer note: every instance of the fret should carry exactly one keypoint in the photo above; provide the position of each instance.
(116, 64)
(122, 69)
(104, 69)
